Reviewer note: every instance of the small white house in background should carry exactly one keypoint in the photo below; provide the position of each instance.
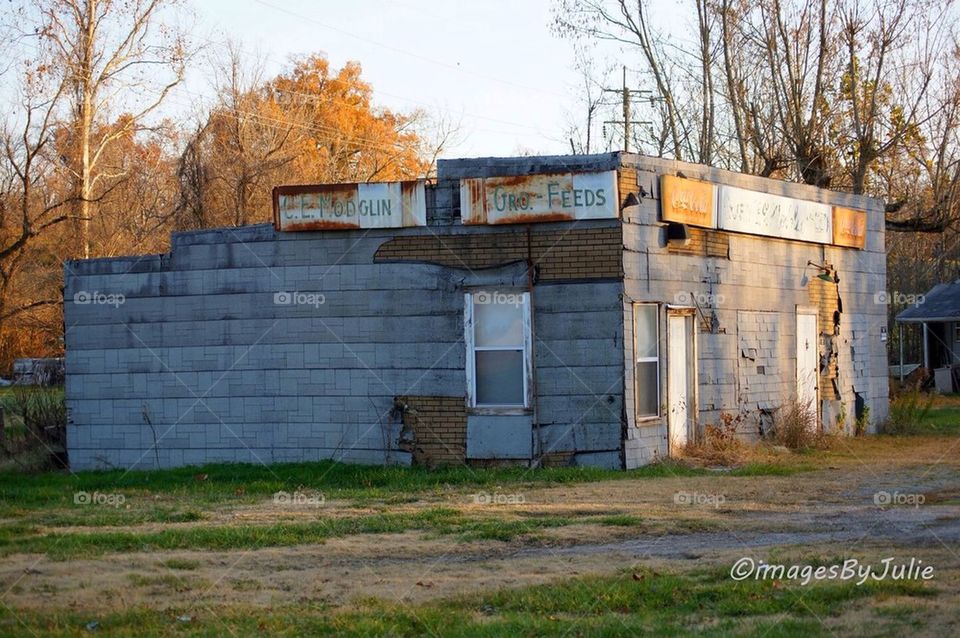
(937, 313)
(587, 310)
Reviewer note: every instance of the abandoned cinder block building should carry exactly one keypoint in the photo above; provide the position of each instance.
(591, 310)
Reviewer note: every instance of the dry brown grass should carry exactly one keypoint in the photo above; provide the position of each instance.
(795, 428)
(720, 445)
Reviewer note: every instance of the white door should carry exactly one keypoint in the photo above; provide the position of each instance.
(807, 360)
(678, 382)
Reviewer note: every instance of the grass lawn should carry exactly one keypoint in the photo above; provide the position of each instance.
(40, 510)
(638, 602)
(206, 551)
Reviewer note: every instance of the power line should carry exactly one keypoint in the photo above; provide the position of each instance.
(626, 93)
(423, 58)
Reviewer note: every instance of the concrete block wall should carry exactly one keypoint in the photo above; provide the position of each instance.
(753, 291)
(204, 362)
(578, 343)
(248, 345)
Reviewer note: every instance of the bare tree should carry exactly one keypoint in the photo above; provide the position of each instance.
(27, 208)
(113, 54)
(621, 23)
(591, 100)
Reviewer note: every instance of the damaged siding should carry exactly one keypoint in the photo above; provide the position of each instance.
(249, 345)
(252, 345)
(434, 429)
(202, 358)
(747, 289)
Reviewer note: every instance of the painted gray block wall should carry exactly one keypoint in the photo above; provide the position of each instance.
(756, 291)
(202, 362)
(578, 343)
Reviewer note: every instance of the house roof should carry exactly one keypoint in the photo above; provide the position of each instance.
(940, 303)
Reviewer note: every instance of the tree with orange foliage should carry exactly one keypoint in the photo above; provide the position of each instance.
(310, 125)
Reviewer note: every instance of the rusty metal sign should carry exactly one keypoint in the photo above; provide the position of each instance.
(849, 227)
(545, 197)
(688, 201)
(349, 206)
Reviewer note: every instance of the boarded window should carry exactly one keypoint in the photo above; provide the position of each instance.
(647, 362)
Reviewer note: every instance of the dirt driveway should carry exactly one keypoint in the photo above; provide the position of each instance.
(904, 502)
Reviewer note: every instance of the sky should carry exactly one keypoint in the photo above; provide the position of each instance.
(493, 65)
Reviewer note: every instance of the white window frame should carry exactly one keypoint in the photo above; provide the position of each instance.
(636, 381)
(469, 338)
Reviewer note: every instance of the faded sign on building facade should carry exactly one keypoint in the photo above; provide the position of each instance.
(707, 205)
(849, 227)
(746, 211)
(688, 201)
(350, 206)
(539, 198)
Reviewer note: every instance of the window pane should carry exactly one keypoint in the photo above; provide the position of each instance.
(498, 324)
(645, 326)
(500, 377)
(648, 394)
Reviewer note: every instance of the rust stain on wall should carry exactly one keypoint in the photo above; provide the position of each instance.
(524, 219)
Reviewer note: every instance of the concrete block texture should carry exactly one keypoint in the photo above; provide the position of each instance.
(250, 345)
(253, 346)
(747, 302)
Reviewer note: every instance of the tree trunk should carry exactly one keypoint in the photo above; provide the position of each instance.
(86, 123)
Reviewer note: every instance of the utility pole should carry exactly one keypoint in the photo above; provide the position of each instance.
(626, 93)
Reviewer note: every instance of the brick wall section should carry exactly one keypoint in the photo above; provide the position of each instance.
(577, 253)
(439, 429)
(627, 183)
(703, 243)
(823, 296)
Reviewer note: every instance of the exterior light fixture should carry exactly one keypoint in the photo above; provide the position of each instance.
(826, 272)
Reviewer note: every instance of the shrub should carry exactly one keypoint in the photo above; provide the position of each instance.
(907, 412)
(719, 443)
(795, 427)
(860, 426)
(42, 416)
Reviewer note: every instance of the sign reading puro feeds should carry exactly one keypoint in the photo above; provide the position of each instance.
(544, 197)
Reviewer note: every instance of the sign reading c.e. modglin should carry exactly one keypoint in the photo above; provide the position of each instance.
(543, 197)
(349, 206)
